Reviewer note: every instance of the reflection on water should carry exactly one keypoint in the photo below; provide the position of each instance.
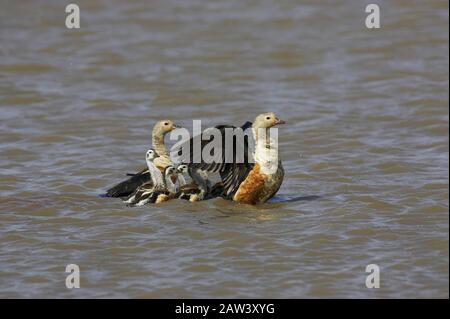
(365, 151)
(293, 199)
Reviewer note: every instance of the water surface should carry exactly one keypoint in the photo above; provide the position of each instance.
(365, 151)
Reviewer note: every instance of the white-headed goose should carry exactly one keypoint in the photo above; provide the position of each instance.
(162, 160)
(171, 185)
(188, 191)
(146, 193)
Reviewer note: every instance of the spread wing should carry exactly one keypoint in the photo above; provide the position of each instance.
(232, 171)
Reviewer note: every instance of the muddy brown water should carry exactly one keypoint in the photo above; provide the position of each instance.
(365, 151)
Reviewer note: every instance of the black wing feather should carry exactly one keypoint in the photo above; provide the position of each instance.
(232, 174)
(128, 186)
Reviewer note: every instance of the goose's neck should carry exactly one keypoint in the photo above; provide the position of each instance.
(170, 185)
(266, 150)
(158, 144)
(181, 179)
(261, 135)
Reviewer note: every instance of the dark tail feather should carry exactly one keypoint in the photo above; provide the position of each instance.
(128, 186)
(246, 125)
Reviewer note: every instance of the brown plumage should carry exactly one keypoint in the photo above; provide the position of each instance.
(249, 192)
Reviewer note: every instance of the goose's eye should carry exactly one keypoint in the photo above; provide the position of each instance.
(268, 118)
(166, 123)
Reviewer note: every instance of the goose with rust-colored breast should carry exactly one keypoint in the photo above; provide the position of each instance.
(161, 161)
(256, 179)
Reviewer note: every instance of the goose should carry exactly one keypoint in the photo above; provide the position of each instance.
(248, 182)
(171, 185)
(146, 192)
(200, 178)
(171, 179)
(182, 170)
(162, 160)
(191, 191)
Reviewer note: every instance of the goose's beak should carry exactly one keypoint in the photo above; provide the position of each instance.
(175, 126)
(278, 121)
